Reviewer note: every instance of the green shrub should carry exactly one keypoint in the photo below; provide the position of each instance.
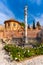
(18, 53)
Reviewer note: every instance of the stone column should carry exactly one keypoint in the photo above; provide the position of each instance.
(25, 21)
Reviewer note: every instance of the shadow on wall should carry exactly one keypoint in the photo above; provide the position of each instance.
(40, 36)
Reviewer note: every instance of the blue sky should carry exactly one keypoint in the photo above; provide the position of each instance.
(14, 9)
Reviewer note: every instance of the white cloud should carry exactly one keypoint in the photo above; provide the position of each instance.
(3, 17)
(40, 19)
(5, 13)
(38, 2)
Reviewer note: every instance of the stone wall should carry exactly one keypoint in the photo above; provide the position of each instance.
(32, 34)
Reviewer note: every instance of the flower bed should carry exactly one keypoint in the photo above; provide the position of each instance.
(19, 53)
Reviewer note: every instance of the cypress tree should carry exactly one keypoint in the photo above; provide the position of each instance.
(38, 25)
(34, 25)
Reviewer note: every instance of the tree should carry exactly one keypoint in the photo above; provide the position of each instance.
(23, 24)
(38, 25)
(28, 26)
(34, 25)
